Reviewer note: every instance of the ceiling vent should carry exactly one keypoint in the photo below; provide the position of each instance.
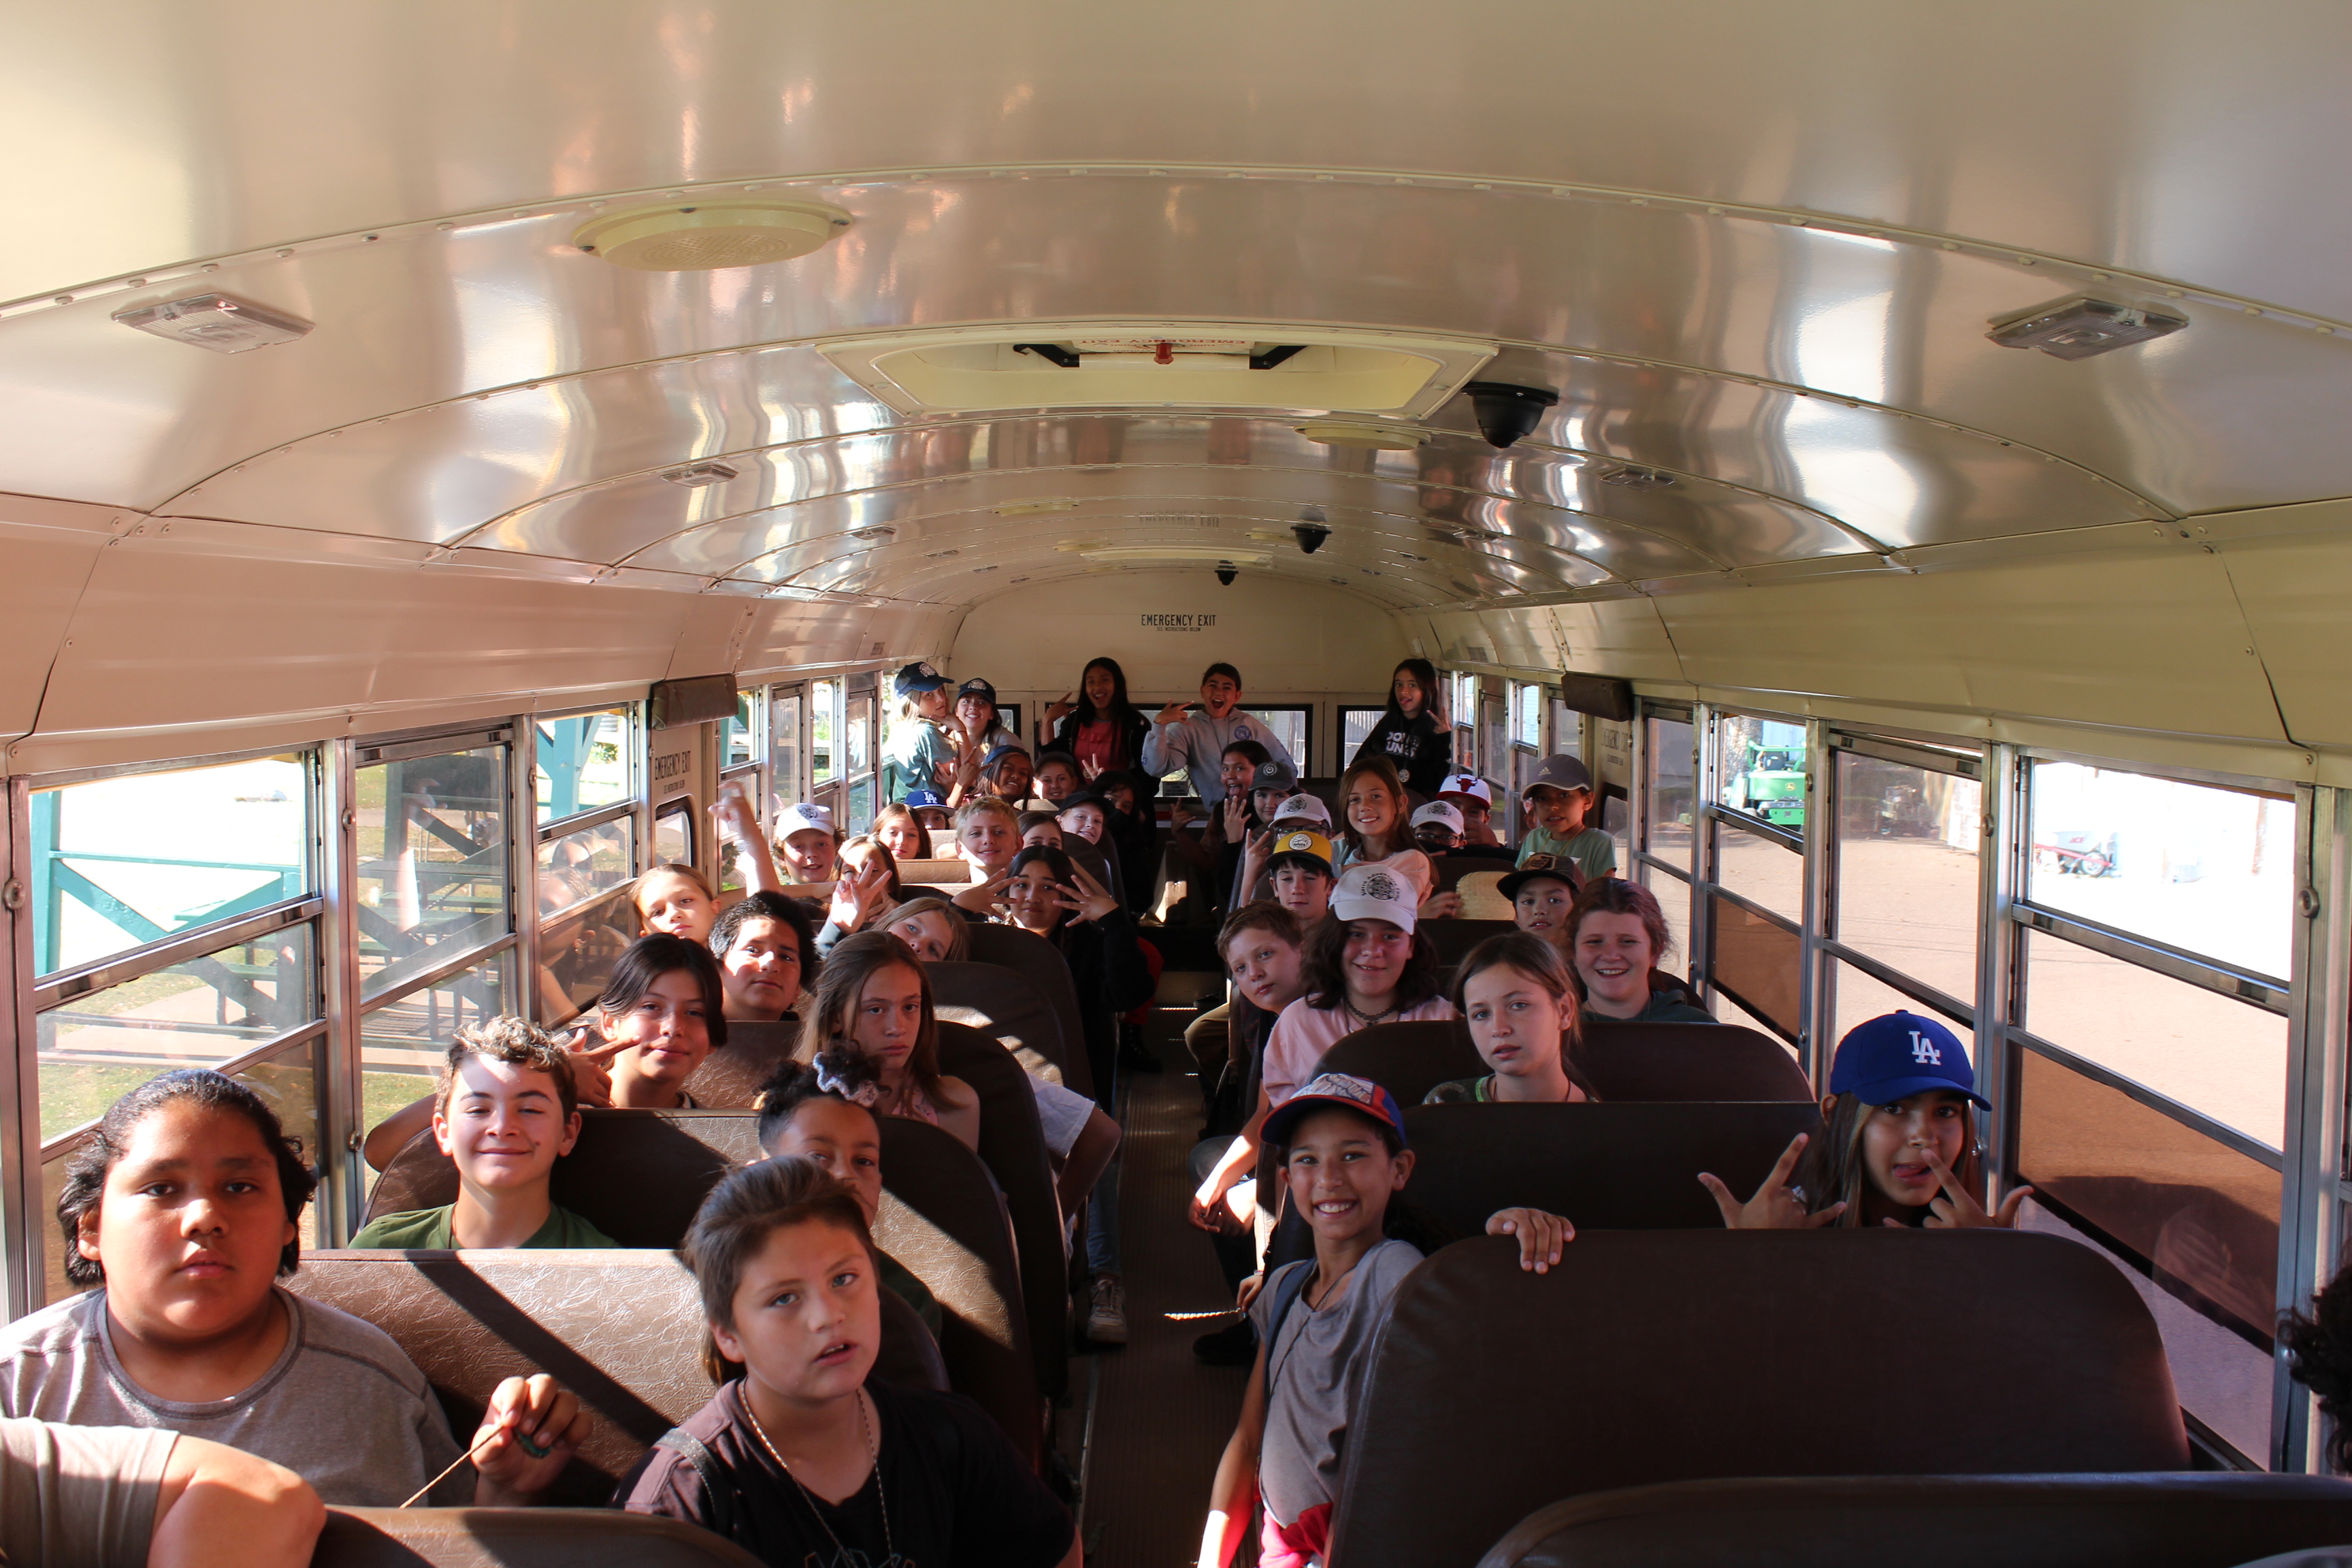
(2080, 327)
(1632, 477)
(879, 531)
(1160, 365)
(707, 236)
(694, 474)
(1357, 434)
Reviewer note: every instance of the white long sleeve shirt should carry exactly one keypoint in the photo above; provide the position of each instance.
(1197, 744)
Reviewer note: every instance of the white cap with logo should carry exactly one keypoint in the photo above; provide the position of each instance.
(1303, 808)
(1443, 813)
(1375, 893)
(1467, 785)
(803, 818)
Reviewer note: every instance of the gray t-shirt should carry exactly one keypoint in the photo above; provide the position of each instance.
(79, 1497)
(341, 1406)
(1314, 1370)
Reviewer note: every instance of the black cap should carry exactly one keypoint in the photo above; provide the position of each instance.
(976, 686)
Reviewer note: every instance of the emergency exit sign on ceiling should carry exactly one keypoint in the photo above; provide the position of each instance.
(1188, 623)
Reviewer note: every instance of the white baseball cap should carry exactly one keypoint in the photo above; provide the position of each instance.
(801, 818)
(1303, 808)
(1439, 812)
(1374, 893)
(1469, 785)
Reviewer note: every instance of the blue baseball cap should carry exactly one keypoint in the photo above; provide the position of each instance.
(1357, 1094)
(917, 678)
(1886, 1058)
(921, 797)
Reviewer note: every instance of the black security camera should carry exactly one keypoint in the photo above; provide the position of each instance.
(1505, 413)
(1310, 535)
(1226, 573)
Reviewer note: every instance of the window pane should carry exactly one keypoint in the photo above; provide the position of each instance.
(861, 806)
(405, 1040)
(824, 754)
(784, 743)
(585, 863)
(1526, 715)
(121, 862)
(740, 744)
(582, 762)
(2201, 1218)
(1356, 727)
(1674, 901)
(1669, 784)
(2226, 1058)
(1757, 868)
(1759, 961)
(577, 952)
(197, 1012)
(1728, 1011)
(1906, 869)
(432, 862)
(1761, 762)
(1288, 725)
(673, 833)
(1617, 821)
(2210, 870)
(857, 734)
(1861, 998)
(288, 1083)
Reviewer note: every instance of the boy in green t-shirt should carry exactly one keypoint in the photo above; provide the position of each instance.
(504, 1110)
(1560, 797)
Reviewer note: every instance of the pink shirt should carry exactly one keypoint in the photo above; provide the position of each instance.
(1303, 1033)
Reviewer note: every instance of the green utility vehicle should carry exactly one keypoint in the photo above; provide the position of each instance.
(1772, 784)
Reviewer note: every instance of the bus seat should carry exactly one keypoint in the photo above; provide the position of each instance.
(1688, 1061)
(1041, 963)
(1454, 939)
(1007, 1003)
(623, 1331)
(1407, 1059)
(636, 1176)
(941, 1219)
(950, 871)
(2195, 1520)
(1653, 1355)
(516, 1538)
(1012, 1145)
(1607, 1167)
(1482, 894)
(730, 1077)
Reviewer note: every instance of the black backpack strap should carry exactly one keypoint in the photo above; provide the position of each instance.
(717, 1482)
(1287, 1286)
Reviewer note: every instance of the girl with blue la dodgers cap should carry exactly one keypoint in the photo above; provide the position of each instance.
(1900, 1147)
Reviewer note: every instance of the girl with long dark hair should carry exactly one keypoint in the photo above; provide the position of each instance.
(1096, 724)
(1414, 734)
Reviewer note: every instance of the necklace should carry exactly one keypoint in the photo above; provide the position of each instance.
(1367, 1019)
(842, 1555)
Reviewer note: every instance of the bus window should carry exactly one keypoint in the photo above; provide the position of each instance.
(1907, 863)
(1667, 778)
(1356, 727)
(431, 852)
(1761, 868)
(582, 762)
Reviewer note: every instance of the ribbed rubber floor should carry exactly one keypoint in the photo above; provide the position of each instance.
(1160, 1417)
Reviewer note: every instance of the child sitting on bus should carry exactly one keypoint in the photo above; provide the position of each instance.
(1293, 858)
(798, 1457)
(988, 835)
(1899, 1146)
(1515, 994)
(1617, 936)
(662, 1011)
(503, 1113)
(1474, 797)
(1058, 778)
(934, 928)
(1437, 828)
(1559, 798)
(766, 954)
(898, 829)
(1543, 892)
(812, 1113)
(1041, 827)
(675, 900)
(1366, 965)
(873, 1002)
(1004, 773)
(810, 844)
(183, 1206)
(1374, 827)
(1345, 1161)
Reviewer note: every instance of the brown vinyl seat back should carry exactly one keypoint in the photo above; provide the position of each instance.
(730, 1077)
(941, 1218)
(1406, 1060)
(622, 1330)
(1688, 1061)
(1041, 963)
(636, 1176)
(1456, 864)
(1606, 1166)
(1012, 1145)
(517, 1538)
(1454, 939)
(1007, 1003)
(2209, 1520)
(1646, 1356)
